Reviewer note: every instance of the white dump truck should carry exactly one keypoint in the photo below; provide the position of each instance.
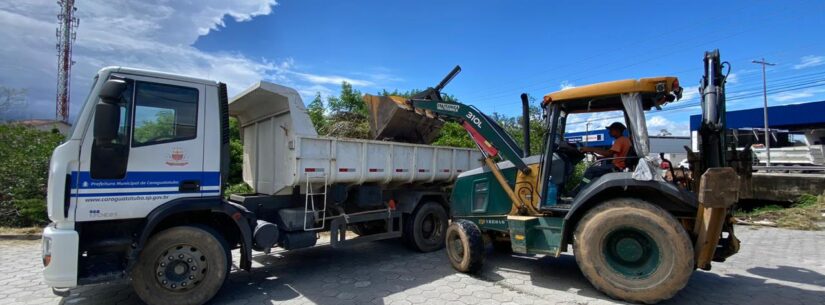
(136, 191)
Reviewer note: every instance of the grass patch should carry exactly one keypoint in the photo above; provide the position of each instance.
(804, 214)
(20, 231)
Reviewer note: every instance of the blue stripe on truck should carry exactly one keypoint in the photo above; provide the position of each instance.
(142, 193)
(83, 180)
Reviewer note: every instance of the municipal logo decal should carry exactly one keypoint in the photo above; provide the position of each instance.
(177, 158)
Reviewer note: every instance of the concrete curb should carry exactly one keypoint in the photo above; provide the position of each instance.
(20, 236)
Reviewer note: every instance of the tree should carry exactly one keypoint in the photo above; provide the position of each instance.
(664, 133)
(349, 101)
(235, 152)
(317, 112)
(11, 99)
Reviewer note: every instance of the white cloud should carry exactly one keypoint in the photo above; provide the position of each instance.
(809, 61)
(796, 95)
(566, 85)
(689, 93)
(330, 79)
(155, 34)
(733, 78)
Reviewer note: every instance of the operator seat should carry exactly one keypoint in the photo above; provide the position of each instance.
(632, 159)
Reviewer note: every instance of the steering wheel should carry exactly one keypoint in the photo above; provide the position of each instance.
(571, 152)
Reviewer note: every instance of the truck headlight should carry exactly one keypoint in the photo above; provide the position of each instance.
(47, 251)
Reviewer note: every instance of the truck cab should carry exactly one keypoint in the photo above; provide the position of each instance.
(142, 141)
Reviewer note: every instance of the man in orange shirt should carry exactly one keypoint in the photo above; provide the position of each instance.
(621, 147)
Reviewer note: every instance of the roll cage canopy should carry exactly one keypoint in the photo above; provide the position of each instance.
(606, 96)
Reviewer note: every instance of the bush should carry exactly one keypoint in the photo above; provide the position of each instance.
(24, 172)
(240, 188)
(32, 212)
(24, 169)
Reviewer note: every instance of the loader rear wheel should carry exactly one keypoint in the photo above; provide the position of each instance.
(424, 229)
(465, 246)
(182, 265)
(634, 251)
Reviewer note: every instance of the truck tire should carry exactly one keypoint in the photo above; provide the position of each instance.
(424, 229)
(465, 246)
(634, 251)
(184, 265)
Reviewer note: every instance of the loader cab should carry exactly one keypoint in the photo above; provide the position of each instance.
(587, 108)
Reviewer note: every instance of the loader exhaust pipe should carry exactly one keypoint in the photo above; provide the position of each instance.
(525, 119)
(448, 78)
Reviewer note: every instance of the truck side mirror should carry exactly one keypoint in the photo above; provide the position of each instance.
(111, 91)
(107, 120)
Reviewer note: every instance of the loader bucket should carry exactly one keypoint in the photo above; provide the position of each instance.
(390, 118)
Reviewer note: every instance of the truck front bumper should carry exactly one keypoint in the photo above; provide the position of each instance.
(59, 253)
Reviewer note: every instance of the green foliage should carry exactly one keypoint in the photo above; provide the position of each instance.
(514, 127)
(238, 188)
(24, 161)
(161, 128)
(576, 177)
(31, 212)
(804, 214)
(454, 135)
(806, 200)
(235, 152)
(350, 101)
(317, 112)
(24, 172)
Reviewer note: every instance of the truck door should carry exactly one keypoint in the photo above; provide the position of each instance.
(156, 158)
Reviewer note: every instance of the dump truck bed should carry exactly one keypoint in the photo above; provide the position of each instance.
(283, 150)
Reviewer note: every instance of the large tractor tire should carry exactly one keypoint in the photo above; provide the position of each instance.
(424, 229)
(465, 246)
(183, 265)
(634, 251)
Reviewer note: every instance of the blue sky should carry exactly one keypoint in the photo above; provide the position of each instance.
(504, 47)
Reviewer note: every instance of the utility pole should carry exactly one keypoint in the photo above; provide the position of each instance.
(66, 34)
(765, 108)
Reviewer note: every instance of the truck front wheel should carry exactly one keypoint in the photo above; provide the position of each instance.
(424, 229)
(182, 265)
(634, 251)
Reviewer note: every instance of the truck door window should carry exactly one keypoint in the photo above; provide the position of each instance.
(164, 113)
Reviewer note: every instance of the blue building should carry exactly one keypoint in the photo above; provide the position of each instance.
(790, 117)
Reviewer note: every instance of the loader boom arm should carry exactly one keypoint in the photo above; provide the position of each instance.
(491, 139)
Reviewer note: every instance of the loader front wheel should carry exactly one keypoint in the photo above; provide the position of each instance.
(182, 265)
(633, 250)
(465, 246)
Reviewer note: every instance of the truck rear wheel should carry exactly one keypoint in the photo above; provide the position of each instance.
(634, 251)
(465, 246)
(182, 265)
(424, 229)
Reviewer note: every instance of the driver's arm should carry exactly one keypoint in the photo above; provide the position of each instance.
(598, 151)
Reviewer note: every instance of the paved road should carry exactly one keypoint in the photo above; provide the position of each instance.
(775, 267)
